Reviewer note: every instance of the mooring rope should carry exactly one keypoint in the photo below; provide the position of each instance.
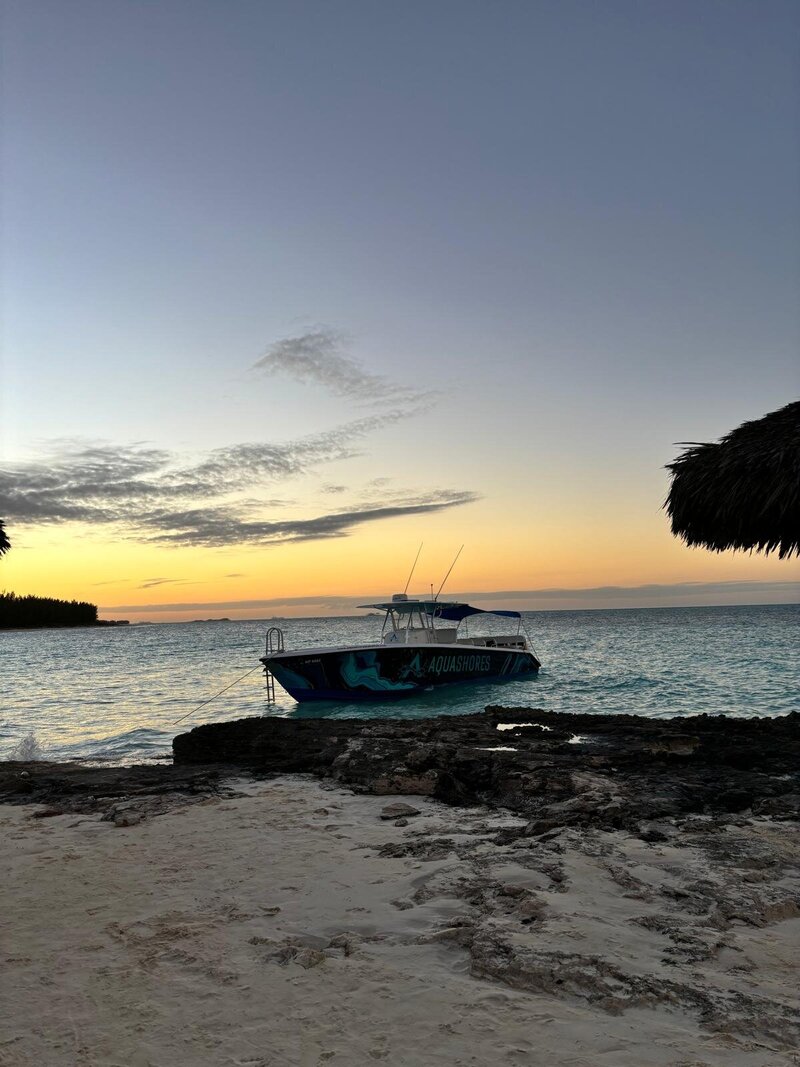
(219, 694)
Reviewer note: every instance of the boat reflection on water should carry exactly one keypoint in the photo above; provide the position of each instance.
(458, 698)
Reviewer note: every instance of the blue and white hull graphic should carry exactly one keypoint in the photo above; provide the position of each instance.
(392, 672)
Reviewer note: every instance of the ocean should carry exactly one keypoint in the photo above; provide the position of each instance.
(115, 693)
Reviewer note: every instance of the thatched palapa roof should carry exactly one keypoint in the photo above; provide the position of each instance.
(5, 544)
(744, 491)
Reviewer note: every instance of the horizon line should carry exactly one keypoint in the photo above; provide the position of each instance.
(350, 601)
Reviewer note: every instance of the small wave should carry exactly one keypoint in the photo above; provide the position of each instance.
(131, 745)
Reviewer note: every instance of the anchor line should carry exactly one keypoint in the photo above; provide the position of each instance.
(219, 694)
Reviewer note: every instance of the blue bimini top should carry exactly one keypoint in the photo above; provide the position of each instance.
(457, 612)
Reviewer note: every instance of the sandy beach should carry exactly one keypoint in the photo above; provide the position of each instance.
(285, 921)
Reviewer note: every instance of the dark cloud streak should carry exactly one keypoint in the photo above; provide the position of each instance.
(148, 494)
(150, 583)
(223, 526)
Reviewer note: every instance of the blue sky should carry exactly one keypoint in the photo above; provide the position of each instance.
(576, 223)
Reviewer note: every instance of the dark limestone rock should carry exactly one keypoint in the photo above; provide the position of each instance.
(625, 772)
(626, 768)
(72, 787)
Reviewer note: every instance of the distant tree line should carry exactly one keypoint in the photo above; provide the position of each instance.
(27, 612)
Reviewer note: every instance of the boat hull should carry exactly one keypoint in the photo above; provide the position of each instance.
(392, 672)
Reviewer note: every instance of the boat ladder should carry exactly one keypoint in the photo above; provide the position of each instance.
(274, 644)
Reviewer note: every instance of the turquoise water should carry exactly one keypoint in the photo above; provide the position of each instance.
(116, 693)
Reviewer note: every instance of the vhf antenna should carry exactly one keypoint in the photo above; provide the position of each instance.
(441, 587)
(413, 567)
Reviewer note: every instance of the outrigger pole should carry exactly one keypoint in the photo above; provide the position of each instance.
(441, 587)
(413, 567)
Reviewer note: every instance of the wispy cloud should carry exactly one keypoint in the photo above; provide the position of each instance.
(149, 583)
(218, 499)
(100, 482)
(317, 357)
(154, 495)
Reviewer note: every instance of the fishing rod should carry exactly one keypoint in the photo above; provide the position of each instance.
(441, 587)
(413, 567)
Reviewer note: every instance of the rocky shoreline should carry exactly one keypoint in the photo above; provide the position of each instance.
(556, 770)
(617, 868)
(610, 771)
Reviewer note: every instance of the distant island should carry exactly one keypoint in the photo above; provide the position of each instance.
(36, 612)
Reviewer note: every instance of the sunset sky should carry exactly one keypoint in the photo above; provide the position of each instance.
(288, 288)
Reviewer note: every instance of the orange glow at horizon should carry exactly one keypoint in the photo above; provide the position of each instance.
(374, 562)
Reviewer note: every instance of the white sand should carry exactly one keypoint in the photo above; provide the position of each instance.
(203, 936)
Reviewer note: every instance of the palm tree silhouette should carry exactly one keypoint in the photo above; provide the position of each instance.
(5, 544)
